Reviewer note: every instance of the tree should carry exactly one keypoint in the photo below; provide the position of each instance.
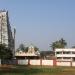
(26, 49)
(53, 46)
(21, 47)
(63, 43)
(36, 49)
(58, 44)
(5, 52)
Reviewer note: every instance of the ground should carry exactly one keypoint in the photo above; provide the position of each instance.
(36, 70)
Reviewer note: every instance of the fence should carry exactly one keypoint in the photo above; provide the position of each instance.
(40, 62)
(73, 63)
(36, 62)
(46, 62)
(9, 62)
(63, 63)
(22, 62)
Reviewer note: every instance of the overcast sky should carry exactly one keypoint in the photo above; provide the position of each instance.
(41, 22)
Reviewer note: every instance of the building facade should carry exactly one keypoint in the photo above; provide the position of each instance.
(30, 54)
(5, 30)
(65, 54)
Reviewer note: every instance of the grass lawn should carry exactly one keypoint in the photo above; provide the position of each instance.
(36, 70)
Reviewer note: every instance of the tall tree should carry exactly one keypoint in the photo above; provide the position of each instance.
(58, 44)
(21, 47)
(36, 49)
(53, 46)
(26, 49)
(63, 43)
(5, 53)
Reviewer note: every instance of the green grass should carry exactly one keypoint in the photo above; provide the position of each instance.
(37, 70)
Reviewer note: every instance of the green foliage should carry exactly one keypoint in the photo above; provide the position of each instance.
(5, 53)
(58, 44)
(36, 49)
(25, 49)
(21, 47)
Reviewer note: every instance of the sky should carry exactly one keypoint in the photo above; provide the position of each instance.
(41, 22)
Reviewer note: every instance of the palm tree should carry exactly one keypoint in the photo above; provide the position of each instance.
(58, 44)
(53, 46)
(63, 43)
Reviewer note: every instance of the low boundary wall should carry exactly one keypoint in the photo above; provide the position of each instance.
(73, 63)
(23, 62)
(47, 62)
(63, 63)
(37, 62)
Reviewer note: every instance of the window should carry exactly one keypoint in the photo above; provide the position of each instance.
(66, 57)
(58, 52)
(73, 52)
(66, 52)
(59, 57)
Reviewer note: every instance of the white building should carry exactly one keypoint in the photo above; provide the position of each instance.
(65, 54)
(31, 49)
(5, 30)
(30, 54)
